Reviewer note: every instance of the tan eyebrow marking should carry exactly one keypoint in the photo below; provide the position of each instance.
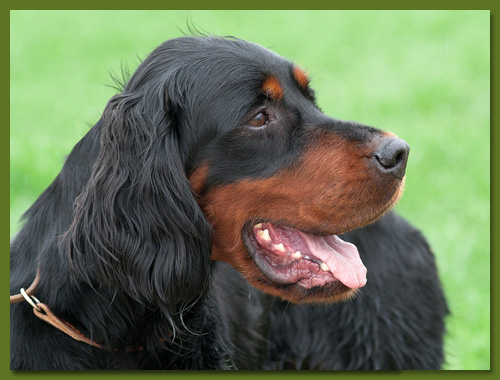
(301, 77)
(272, 88)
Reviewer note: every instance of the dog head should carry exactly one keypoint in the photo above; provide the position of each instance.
(217, 150)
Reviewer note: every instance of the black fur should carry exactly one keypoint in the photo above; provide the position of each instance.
(123, 248)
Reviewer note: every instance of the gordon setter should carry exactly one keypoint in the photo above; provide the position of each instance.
(215, 218)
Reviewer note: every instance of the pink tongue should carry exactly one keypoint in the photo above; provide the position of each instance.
(341, 257)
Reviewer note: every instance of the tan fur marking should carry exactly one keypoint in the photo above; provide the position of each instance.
(272, 88)
(301, 77)
(198, 178)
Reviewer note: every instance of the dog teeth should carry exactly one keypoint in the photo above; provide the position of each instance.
(279, 247)
(324, 267)
(264, 234)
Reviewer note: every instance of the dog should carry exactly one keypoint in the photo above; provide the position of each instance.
(215, 218)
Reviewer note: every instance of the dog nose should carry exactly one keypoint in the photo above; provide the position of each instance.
(392, 156)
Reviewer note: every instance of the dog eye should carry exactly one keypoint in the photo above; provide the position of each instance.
(259, 120)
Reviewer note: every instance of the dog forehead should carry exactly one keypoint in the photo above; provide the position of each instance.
(223, 76)
(227, 58)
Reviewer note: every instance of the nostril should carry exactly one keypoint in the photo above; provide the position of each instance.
(389, 158)
(392, 155)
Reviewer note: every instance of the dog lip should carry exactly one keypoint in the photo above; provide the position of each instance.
(278, 273)
(286, 255)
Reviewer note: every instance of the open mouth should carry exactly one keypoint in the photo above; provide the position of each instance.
(288, 256)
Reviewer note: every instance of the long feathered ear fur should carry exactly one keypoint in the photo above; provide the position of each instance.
(137, 226)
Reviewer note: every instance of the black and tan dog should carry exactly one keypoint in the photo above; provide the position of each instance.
(215, 218)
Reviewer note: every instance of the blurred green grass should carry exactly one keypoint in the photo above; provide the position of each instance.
(423, 75)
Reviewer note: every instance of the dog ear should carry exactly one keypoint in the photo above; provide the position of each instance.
(137, 225)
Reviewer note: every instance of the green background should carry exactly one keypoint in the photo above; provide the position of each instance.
(424, 75)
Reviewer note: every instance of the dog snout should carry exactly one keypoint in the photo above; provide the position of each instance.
(391, 156)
